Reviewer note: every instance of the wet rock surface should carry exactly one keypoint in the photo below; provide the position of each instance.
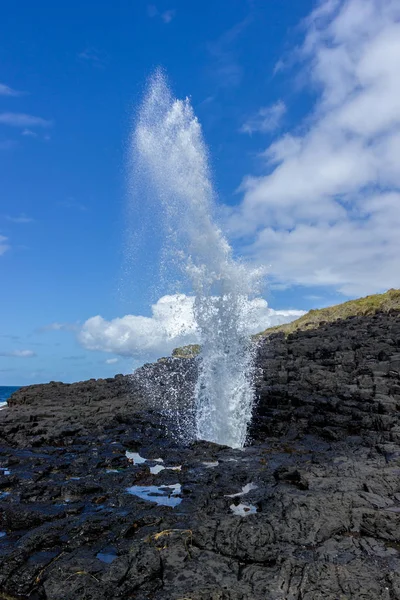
(309, 511)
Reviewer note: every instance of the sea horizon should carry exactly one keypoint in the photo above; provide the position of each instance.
(6, 391)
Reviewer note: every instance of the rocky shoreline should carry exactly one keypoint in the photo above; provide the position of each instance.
(99, 499)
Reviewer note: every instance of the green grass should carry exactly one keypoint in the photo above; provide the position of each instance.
(186, 351)
(361, 307)
(369, 305)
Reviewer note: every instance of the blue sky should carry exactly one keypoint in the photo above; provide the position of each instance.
(299, 106)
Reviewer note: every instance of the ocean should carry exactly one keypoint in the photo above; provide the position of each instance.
(5, 393)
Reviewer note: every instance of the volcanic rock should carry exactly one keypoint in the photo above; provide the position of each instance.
(309, 510)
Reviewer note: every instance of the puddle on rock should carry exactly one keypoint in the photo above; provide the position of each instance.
(135, 457)
(5, 470)
(2, 534)
(158, 468)
(210, 464)
(245, 490)
(242, 510)
(165, 495)
(44, 556)
(106, 557)
(139, 460)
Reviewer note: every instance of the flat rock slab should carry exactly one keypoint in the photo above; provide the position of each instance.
(320, 520)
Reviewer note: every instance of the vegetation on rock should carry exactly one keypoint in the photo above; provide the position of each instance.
(369, 305)
(186, 351)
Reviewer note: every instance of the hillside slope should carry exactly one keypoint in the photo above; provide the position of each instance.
(368, 305)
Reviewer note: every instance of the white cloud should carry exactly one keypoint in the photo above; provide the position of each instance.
(71, 203)
(29, 133)
(95, 57)
(23, 120)
(23, 218)
(111, 361)
(268, 119)
(152, 11)
(172, 324)
(225, 66)
(8, 144)
(19, 353)
(327, 212)
(4, 246)
(56, 326)
(5, 90)
(165, 16)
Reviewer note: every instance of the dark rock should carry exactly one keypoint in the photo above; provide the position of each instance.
(320, 520)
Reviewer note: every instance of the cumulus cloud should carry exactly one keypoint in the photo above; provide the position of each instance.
(4, 246)
(19, 353)
(23, 120)
(327, 211)
(268, 119)
(172, 324)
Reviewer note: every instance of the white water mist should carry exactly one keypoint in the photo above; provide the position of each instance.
(168, 149)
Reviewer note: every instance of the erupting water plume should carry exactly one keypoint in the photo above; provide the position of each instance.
(168, 145)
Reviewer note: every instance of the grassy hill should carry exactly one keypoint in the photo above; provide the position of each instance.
(369, 305)
(186, 351)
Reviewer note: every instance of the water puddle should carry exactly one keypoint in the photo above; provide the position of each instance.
(139, 460)
(2, 534)
(135, 457)
(165, 495)
(42, 557)
(5, 471)
(242, 510)
(106, 557)
(210, 464)
(158, 468)
(245, 490)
